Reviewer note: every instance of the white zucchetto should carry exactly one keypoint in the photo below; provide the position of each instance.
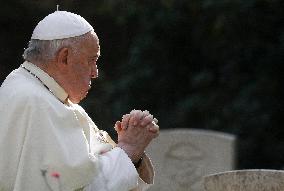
(59, 25)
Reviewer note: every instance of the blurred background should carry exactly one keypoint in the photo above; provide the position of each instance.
(192, 63)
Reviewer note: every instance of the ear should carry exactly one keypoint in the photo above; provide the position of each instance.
(62, 57)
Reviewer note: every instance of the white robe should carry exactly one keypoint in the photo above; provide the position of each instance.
(48, 143)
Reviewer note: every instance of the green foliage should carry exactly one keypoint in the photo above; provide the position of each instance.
(193, 64)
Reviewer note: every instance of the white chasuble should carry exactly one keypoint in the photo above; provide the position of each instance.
(47, 143)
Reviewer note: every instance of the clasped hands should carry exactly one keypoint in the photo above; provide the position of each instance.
(135, 131)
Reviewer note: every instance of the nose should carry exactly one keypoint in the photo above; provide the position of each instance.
(95, 72)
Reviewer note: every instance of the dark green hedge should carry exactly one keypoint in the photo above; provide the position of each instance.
(194, 64)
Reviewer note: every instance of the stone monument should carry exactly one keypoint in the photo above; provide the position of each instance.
(245, 180)
(181, 157)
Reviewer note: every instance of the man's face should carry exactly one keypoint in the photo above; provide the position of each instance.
(82, 68)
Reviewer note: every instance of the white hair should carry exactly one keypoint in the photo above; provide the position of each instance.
(42, 51)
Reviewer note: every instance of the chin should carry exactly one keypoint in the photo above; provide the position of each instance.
(78, 97)
(75, 101)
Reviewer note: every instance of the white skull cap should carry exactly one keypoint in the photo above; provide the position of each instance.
(59, 25)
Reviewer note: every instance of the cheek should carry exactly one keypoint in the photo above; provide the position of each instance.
(84, 78)
(82, 73)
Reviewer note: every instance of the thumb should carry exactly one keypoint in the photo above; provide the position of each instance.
(117, 126)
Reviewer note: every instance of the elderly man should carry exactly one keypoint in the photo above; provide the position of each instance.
(47, 141)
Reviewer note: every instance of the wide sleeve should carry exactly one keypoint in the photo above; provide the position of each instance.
(117, 171)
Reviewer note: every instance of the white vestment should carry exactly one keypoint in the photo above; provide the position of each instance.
(48, 143)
